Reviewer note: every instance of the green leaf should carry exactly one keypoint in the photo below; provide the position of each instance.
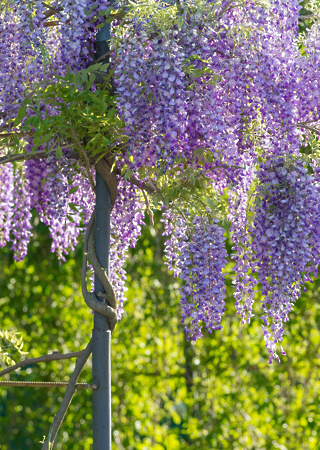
(108, 11)
(58, 152)
(111, 113)
(73, 189)
(104, 67)
(149, 98)
(15, 139)
(95, 67)
(73, 206)
(21, 114)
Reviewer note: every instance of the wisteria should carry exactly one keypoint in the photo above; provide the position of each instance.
(126, 220)
(151, 84)
(286, 240)
(6, 196)
(21, 210)
(198, 255)
(222, 74)
(34, 52)
(239, 217)
(211, 115)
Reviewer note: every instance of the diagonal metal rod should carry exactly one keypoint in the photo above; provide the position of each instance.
(101, 335)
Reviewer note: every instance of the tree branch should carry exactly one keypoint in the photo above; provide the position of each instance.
(108, 307)
(51, 10)
(148, 208)
(38, 154)
(44, 358)
(58, 419)
(308, 121)
(53, 23)
(14, 133)
(308, 127)
(309, 16)
(140, 184)
(101, 58)
(85, 158)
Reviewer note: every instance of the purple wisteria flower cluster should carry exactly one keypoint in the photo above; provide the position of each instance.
(200, 84)
(15, 215)
(238, 85)
(60, 193)
(32, 52)
(239, 216)
(151, 86)
(126, 221)
(21, 216)
(6, 198)
(196, 251)
(285, 240)
(277, 241)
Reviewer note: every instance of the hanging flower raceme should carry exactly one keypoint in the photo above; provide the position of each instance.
(285, 240)
(151, 86)
(21, 216)
(197, 252)
(126, 221)
(15, 210)
(6, 202)
(239, 216)
(277, 241)
(209, 84)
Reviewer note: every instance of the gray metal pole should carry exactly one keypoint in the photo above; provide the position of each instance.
(101, 335)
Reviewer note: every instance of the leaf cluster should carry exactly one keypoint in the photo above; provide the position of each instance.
(11, 343)
(73, 111)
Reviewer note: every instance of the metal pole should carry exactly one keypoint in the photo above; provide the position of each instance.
(101, 335)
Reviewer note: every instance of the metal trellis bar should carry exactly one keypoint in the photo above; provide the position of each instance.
(101, 335)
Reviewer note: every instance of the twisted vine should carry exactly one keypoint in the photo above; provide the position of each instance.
(108, 307)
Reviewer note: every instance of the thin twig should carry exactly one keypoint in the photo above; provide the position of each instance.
(38, 154)
(19, 134)
(148, 208)
(307, 122)
(30, 95)
(51, 10)
(86, 160)
(53, 23)
(101, 58)
(308, 127)
(43, 358)
(5, 127)
(58, 419)
(310, 16)
(138, 183)
(117, 15)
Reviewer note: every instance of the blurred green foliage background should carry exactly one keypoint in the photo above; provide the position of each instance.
(220, 393)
